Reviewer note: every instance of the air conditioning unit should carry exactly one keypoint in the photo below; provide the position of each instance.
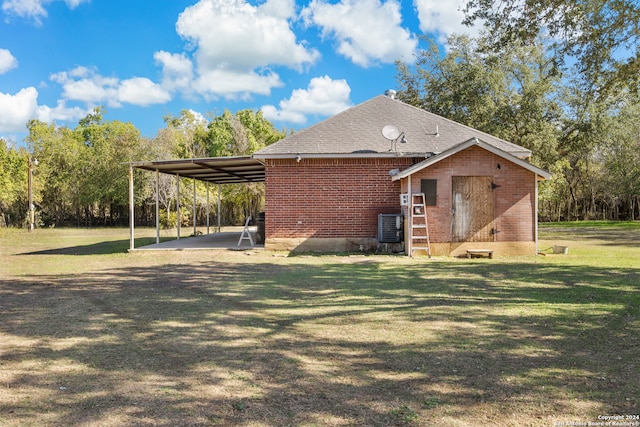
(390, 228)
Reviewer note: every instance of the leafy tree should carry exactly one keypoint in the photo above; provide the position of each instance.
(108, 145)
(188, 131)
(621, 161)
(508, 95)
(602, 35)
(240, 134)
(59, 152)
(13, 184)
(82, 176)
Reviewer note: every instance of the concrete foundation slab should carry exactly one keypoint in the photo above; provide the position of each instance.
(224, 240)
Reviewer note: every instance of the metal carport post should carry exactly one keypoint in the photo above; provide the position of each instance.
(131, 210)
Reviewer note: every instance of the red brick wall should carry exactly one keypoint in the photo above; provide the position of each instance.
(329, 197)
(514, 199)
(343, 197)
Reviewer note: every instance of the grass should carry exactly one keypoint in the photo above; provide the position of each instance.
(93, 336)
(635, 225)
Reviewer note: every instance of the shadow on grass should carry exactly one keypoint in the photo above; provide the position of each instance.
(100, 248)
(234, 344)
(605, 235)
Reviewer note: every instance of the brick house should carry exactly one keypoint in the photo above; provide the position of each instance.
(334, 185)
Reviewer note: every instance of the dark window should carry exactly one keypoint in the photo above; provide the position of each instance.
(430, 189)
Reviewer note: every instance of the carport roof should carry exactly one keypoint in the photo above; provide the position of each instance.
(217, 170)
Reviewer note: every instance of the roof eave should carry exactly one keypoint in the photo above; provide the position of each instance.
(541, 173)
(218, 170)
(390, 154)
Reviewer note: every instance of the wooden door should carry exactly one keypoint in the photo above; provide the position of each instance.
(473, 209)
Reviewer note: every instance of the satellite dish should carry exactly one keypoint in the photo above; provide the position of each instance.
(390, 132)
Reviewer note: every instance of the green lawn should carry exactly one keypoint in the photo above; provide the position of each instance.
(93, 336)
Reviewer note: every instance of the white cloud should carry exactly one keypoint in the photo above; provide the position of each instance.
(278, 8)
(235, 84)
(367, 31)
(25, 8)
(16, 110)
(82, 84)
(33, 9)
(60, 112)
(7, 61)
(235, 43)
(177, 70)
(86, 85)
(324, 96)
(75, 3)
(238, 35)
(443, 18)
(142, 91)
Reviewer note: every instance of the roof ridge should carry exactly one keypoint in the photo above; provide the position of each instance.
(423, 110)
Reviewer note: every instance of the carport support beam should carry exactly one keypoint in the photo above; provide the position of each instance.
(178, 219)
(157, 206)
(218, 208)
(131, 210)
(208, 213)
(195, 229)
(535, 217)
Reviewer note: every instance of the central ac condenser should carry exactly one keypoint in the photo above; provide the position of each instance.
(390, 228)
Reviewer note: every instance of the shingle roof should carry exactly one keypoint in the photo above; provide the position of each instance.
(357, 132)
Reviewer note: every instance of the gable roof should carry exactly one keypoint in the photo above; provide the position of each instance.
(357, 132)
(541, 173)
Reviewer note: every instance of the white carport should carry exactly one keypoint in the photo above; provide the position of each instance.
(211, 170)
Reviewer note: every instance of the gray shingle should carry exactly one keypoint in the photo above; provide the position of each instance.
(358, 131)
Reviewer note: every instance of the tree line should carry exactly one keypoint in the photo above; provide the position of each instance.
(81, 176)
(560, 77)
(589, 141)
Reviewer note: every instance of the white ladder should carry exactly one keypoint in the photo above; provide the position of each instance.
(246, 234)
(419, 225)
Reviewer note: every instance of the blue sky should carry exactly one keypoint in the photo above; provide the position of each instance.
(297, 61)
